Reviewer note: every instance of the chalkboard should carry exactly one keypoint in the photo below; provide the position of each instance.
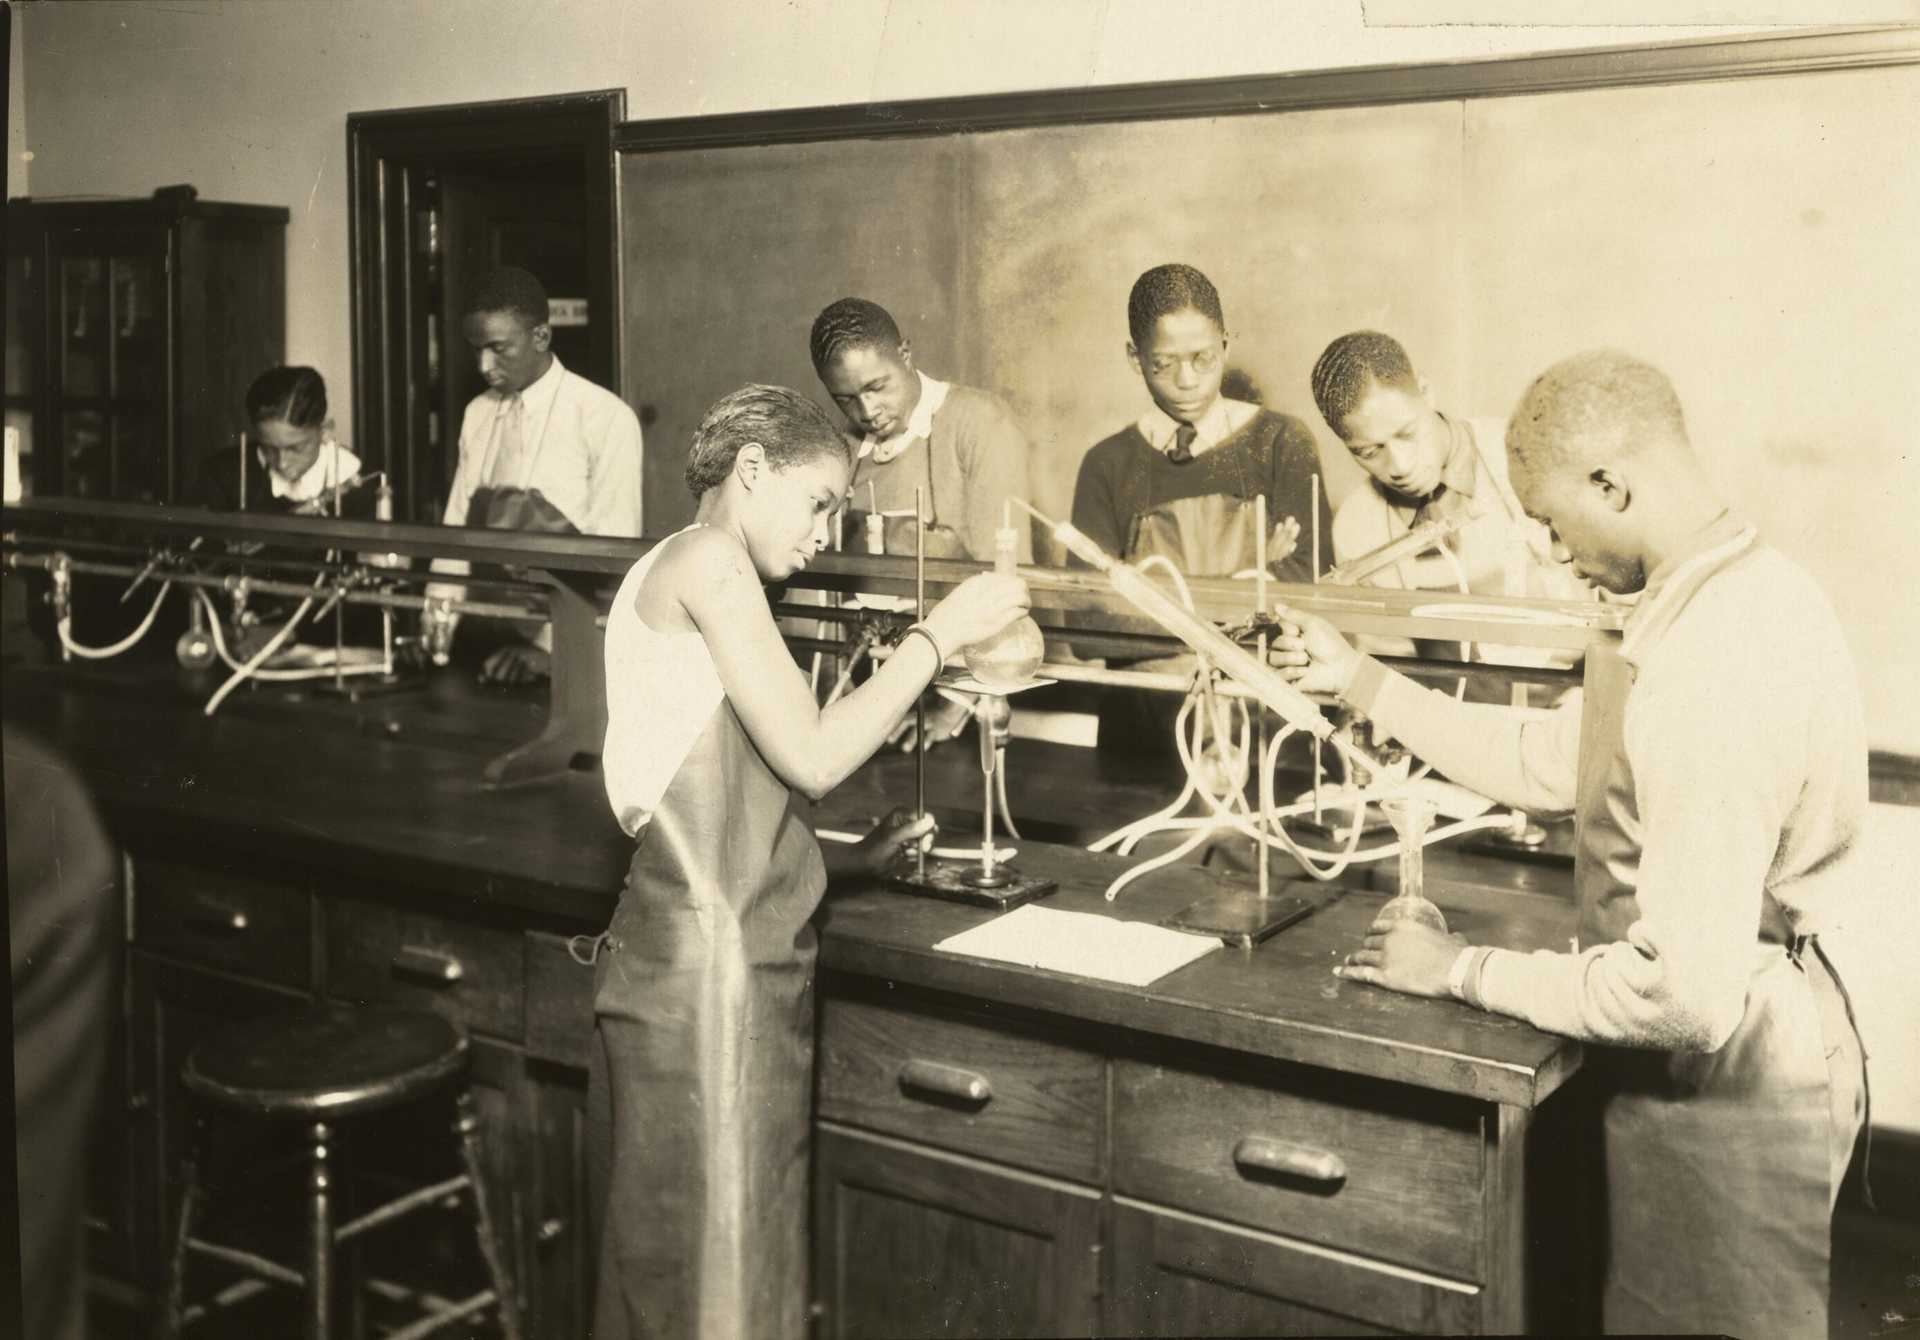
(1754, 236)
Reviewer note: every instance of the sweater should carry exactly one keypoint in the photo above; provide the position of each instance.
(1123, 477)
(1747, 745)
(973, 460)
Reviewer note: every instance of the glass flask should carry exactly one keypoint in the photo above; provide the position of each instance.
(194, 649)
(1008, 658)
(1411, 817)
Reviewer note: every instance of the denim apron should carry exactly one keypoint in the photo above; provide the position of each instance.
(700, 1089)
(1720, 1168)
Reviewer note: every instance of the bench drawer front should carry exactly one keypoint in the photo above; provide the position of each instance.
(472, 974)
(239, 923)
(1009, 1094)
(1387, 1171)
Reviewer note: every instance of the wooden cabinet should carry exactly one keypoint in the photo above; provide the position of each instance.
(215, 939)
(133, 330)
(909, 1241)
(972, 1165)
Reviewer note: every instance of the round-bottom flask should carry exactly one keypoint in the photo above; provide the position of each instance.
(1008, 658)
(194, 648)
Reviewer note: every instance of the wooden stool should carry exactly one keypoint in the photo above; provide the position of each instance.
(317, 1068)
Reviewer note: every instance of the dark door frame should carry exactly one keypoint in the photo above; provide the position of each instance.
(384, 150)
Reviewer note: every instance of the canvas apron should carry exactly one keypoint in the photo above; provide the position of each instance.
(1208, 535)
(700, 1089)
(1720, 1168)
(942, 541)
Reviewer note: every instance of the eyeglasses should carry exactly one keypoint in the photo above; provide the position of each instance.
(1203, 362)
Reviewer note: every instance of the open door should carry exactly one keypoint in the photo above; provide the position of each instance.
(438, 196)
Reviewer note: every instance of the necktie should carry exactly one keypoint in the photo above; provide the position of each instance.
(1182, 451)
(509, 448)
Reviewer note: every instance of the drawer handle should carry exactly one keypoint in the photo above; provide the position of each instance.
(1258, 1156)
(212, 918)
(945, 1083)
(429, 966)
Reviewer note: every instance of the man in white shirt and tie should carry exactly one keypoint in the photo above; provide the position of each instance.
(541, 449)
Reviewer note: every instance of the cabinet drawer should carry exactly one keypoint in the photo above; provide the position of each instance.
(250, 926)
(1179, 1275)
(472, 974)
(1381, 1169)
(1000, 1090)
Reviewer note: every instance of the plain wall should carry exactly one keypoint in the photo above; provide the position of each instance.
(248, 101)
(1753, 237)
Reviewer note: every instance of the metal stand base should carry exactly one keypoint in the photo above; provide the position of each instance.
(356, 687)
(962, 882)
(1241, 917)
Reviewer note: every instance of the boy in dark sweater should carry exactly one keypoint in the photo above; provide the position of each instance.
(1181, 481)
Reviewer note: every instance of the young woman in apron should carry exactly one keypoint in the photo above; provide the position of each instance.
(701, 1077)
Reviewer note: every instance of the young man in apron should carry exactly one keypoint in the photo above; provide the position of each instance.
(960, 447)
(1722, 808)
(1424, 466)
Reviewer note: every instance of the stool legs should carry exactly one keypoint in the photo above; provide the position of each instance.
(467, 1126)
(319, 1235)
(170, 1317)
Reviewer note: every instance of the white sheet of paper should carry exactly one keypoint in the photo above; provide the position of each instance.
(1086, 944)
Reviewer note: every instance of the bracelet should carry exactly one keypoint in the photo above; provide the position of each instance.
(939, 654)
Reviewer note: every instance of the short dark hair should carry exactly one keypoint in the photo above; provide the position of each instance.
(790, 428)
(851, 323)
(510, 289)
(1164, 290)
(1352, 366)
(1593, 405)
(295, 394)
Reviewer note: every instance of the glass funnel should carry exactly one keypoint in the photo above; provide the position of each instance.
(1411, 817)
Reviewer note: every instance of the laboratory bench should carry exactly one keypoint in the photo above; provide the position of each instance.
(1247, 1145)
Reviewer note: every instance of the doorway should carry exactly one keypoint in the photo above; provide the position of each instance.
(438, 196)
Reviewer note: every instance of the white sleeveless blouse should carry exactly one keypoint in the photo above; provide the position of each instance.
(662, 689)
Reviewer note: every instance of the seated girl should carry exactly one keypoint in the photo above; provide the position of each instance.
(701, 1080)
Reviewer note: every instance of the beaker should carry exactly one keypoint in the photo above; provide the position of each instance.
(1411, 817)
